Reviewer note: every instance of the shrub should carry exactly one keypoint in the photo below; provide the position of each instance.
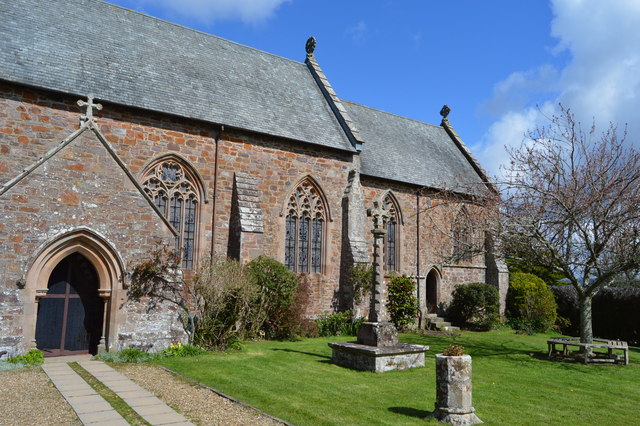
(293, 321)
(278, 287)
(339, 324)
(531, 306)
(475, 306)
(360, 280)
(31, 358)
(180, 350)
(228, 305)
(403, 304)
(614, 312)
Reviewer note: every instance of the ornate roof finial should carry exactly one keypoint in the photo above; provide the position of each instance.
(311, 45)
(90, 105)
(444, 112)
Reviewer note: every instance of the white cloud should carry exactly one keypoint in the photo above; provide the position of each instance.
(601, 80)
(209, 11)
(358, 32)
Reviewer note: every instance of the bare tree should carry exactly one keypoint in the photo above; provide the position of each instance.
(572, 205)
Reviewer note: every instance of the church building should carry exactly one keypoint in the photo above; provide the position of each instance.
(119, 130)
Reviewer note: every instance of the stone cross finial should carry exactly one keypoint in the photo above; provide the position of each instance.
(90, 105)
(311, 45)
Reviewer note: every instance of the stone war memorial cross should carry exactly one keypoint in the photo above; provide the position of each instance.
(377, 348)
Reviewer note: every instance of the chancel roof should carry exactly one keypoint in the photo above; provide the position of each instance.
(410, 151)
(128, 58)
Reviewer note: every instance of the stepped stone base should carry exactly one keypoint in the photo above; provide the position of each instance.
(356, 356)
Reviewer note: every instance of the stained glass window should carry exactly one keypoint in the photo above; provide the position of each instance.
(174, 192)
(304, 225)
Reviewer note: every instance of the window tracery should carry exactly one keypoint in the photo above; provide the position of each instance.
(391, 253)
(305, 229)
(173, 191)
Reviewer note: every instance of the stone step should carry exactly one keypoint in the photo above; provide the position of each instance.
(450, 328)
(436, 319)
(442, 324)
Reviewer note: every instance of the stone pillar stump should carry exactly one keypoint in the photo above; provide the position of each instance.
(453, 390)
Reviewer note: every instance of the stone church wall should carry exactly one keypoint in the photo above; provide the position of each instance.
(82, 187)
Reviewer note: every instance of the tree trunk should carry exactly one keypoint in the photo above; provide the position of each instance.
(586, 329)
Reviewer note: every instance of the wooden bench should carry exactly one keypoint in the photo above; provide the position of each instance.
(590, 355)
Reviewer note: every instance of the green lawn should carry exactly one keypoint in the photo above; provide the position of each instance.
(513, 383)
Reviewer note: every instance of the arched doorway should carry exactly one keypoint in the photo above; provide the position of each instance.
(432, 292)
(70, 314)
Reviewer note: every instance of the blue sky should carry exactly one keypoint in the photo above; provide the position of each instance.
(501, 65)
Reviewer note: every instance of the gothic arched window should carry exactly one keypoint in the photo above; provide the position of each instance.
(305, 229)
(461, 236)
(391, 240)
(173, 190)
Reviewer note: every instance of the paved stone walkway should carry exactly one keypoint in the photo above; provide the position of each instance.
(91, 408)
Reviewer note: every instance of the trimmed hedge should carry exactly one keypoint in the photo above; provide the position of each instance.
(614, 310)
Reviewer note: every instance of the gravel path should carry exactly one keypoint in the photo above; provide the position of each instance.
(199, 405)
(27, 397)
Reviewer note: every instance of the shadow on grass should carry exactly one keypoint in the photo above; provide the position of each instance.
(303, 353)
(411, 412)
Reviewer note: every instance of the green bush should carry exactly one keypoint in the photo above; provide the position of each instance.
(339, 324)
(531, 306)
(360, 280)
(180, 350)
(31, 358)
(402, 305)
(475, 306)
(278, 287)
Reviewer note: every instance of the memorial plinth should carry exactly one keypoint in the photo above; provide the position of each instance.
(377, 348)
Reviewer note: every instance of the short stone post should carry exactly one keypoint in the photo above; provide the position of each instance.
(453, 390)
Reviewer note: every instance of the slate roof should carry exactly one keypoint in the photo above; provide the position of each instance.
(410, 151)
(128, 58)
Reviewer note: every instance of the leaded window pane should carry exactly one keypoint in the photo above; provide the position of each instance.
(303, 245)
(316, 245)
(290, 243)
(160, 201)
(175, 195)
(390, 263)
(304, 235)
(189, 232)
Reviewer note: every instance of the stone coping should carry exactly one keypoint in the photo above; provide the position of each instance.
(375, 351)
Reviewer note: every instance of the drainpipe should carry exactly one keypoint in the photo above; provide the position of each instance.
(215, 192)
(418, 243)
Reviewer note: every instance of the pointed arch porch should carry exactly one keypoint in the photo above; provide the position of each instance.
(108, 266)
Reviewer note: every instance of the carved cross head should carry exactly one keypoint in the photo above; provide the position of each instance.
(90, 105)
(379, 214)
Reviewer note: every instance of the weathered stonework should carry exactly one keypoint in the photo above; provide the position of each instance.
(453, 390)
(356, 356)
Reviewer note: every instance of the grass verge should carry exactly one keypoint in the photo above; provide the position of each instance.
(110, 396)
(513, 383)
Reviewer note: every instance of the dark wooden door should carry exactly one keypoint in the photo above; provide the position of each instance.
(70, 315)
(432, 293)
